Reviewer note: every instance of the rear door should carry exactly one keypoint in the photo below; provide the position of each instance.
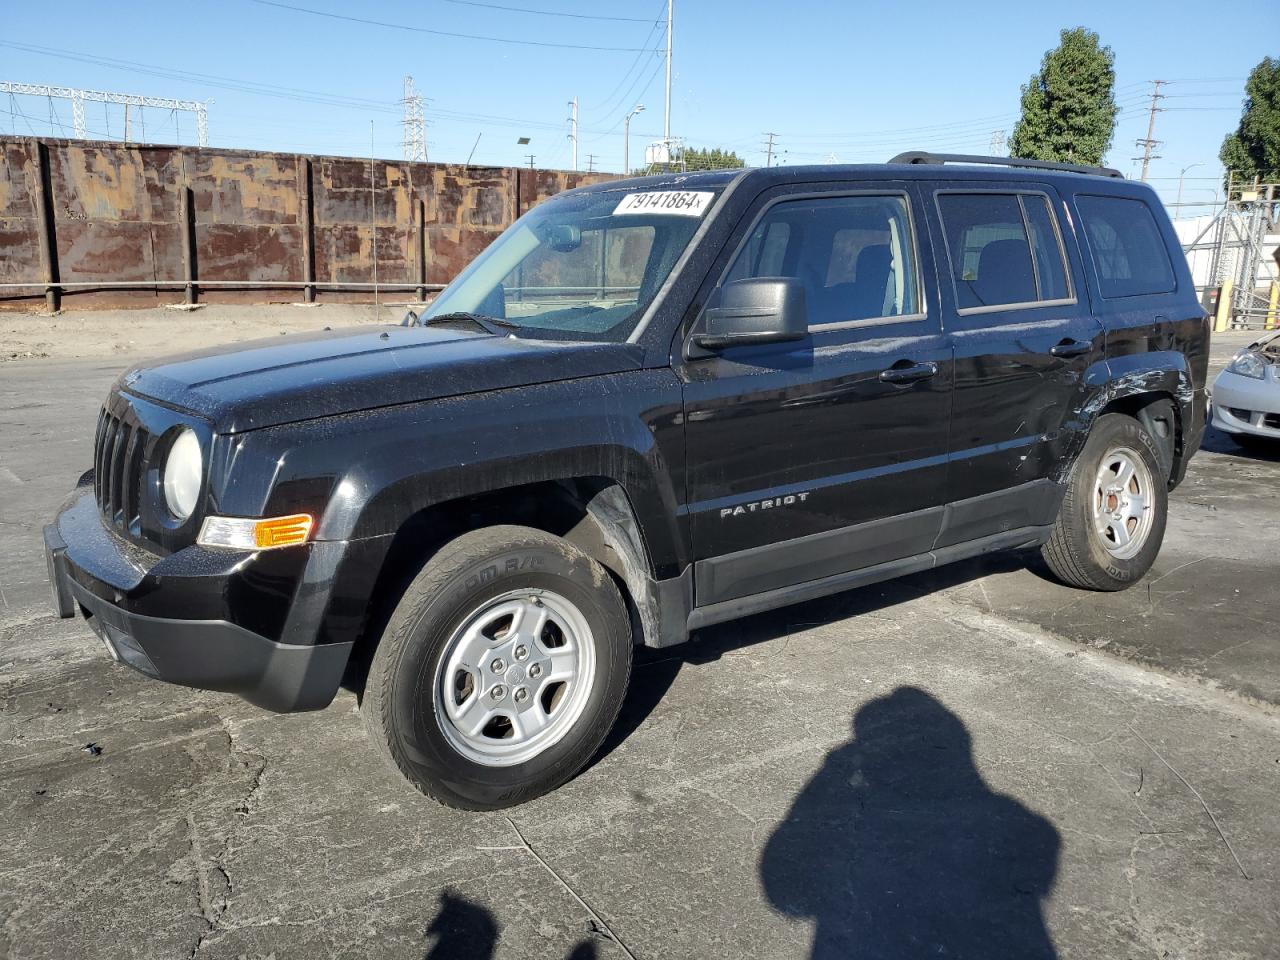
(808, 459)
(1023, 337)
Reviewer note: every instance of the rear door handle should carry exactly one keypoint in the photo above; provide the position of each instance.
(1071, 348)
(909, 373)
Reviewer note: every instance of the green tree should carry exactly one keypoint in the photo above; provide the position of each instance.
(706, 158)
(1069, 107)
(698, 158)
(1254, 149)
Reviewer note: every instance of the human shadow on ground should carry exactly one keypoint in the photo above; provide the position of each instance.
(897, 847)
(462, 930)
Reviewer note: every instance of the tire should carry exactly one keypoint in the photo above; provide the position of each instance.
(1087, 547)
(487, 596)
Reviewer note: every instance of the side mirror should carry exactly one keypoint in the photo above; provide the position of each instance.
(410, 319)
(755, 310)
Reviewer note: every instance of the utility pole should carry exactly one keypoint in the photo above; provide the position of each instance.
(573, 128)
(997, 143)
(415, 127)
(666, 122)
(591, 163)
(1149, 143)
(768, 149)
(530, 156)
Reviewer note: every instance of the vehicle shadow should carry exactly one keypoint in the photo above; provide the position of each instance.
(1218, 441)
(654, 671)
(462, 930)
(898, 848)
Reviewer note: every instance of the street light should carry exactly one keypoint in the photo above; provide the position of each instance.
(626, 139)
(1182, 173)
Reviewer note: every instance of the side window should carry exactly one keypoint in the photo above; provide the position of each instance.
(1004, 249)
(1127, 248)
(1050, 263)
(854, 255)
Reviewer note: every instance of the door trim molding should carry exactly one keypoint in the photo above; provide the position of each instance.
(759, 603)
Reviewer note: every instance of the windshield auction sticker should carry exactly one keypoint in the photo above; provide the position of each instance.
(681, 203)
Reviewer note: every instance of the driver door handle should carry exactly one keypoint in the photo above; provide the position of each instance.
(1071, 348)
(906, 372)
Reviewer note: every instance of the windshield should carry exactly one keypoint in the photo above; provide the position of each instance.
(580, 266)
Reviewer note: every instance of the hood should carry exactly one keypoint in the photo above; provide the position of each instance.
(263, 383)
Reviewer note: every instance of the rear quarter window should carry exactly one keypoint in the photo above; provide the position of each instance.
(1127, 247)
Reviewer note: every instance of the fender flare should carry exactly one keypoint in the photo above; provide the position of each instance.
(610, 531)
(1159, 375)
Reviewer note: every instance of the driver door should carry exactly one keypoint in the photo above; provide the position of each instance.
(810, 459)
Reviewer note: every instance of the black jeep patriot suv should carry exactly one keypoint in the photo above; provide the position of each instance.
(651, 405)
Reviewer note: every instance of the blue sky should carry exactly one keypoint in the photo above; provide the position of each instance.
(851, 81)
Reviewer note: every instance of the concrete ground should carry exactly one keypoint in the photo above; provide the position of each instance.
(976, 762)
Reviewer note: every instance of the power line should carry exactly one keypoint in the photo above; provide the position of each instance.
(609, 102)
(653, 75)
(213, 80)
(440, 33)
(546, 13)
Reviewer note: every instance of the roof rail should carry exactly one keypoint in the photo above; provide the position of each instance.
(922, 156)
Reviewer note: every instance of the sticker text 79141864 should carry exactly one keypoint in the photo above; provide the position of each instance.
(683, 203)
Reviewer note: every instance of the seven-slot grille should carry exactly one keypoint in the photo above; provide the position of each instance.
(119, 452)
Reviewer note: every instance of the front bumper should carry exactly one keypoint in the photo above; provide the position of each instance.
(130, 600)
(1247, 405)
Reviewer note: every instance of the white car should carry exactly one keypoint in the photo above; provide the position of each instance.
(1246, 395)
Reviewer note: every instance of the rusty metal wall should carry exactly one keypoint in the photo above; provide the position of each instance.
(76, 211)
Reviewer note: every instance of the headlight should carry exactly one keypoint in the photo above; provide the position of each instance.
(1248, 364)
(183, 473)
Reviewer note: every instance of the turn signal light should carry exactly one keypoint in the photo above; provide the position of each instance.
(246, 533)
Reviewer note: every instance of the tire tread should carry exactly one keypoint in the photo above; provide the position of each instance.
(435, 575)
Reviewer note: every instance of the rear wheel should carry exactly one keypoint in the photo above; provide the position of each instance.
(501, 670)
(1113, 515)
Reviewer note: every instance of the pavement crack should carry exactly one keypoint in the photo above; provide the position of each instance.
(213, 911)
(599, 926)
(1187, 783)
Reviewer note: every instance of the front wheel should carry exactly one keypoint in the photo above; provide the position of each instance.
(501, 670)
(1113, 514)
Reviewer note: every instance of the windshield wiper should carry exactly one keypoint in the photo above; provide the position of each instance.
(491, 325)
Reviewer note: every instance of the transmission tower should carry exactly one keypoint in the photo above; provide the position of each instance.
(415, 127)
(997, 143)
(78, 97)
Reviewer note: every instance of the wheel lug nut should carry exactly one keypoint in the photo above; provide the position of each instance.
(535, 671)
(498, 665)
(521, 652)
(521, 695)
(498, 692)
